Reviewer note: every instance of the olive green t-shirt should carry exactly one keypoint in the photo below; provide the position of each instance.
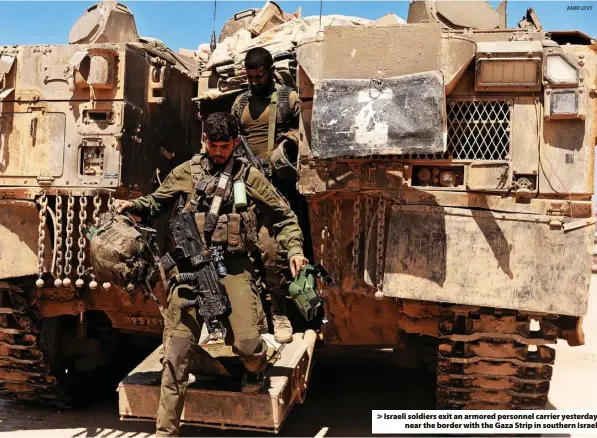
(254, 121)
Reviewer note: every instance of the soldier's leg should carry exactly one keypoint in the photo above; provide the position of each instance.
(247, 319)
(181, 331)
(275, 266)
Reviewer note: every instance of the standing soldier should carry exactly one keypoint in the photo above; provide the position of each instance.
(209, 178)
(268, 114)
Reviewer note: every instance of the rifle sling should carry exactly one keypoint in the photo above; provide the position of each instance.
(216, 203)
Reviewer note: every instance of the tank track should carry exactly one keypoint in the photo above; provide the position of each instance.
(24, 374)
(493, 359)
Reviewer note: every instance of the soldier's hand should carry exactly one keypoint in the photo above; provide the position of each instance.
(121, 205)
(295, 264)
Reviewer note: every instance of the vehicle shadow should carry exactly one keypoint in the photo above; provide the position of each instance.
(342, 393)
(345, 387)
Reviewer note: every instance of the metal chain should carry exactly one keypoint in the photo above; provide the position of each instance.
(59, 239)
(70, 216)
(325, 234)
(381, 232)
(110, 202)
(81, 241)
(356, 236)
(368, 211)
(336, 233)
(97, 205)
(41, 229)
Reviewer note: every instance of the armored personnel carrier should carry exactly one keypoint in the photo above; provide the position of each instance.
(448, 167)
(447, 163)
(107, 115)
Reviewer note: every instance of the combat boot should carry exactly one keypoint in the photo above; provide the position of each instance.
(282, 329)
(282, 326)
(252, 383)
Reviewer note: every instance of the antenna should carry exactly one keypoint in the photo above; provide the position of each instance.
(320, 9)
(212, 43)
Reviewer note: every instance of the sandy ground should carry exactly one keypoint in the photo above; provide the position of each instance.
(333, 406)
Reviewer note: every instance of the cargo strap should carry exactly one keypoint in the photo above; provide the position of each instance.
(271, 133)
(196, 169)
(211, 218)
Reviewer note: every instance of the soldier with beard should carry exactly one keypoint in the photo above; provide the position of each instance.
(268, 114)
(201, 178)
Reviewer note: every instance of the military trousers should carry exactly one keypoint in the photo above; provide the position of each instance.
(275, 260)
(182, 329)
(276, 268)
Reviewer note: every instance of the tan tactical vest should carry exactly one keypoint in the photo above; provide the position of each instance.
(236, 229)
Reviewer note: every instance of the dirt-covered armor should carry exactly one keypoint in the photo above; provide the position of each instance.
(105, 116)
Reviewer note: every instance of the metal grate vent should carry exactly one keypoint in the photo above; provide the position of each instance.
(476, 131)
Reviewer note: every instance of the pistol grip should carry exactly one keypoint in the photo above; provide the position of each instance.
(188, 304)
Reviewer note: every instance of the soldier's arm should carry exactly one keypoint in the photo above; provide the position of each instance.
(177, 182)
(270, 202)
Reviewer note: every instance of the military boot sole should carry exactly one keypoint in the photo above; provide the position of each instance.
(283, 339)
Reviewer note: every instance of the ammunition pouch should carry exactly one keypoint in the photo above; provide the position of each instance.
(236, 233)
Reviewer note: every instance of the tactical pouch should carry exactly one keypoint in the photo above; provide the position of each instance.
(235, 239)
(220, 235)
(211, 222)
(200, 222)
(249, 219)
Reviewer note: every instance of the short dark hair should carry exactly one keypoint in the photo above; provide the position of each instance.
(258, 57)
(220, 126)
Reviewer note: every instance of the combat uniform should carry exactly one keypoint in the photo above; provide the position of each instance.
(256, 119)
(236, 230)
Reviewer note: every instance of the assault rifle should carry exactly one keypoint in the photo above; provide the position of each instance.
(200, 267)
(260, 164)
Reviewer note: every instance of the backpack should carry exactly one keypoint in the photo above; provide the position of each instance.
(120, 252)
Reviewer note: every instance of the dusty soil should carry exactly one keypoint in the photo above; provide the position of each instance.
(343, 391)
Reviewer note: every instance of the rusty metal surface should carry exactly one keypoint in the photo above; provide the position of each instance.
(18, 239)
(77, 124)
(32, 144)
(108, 118)
(24, 374)
(377, 323)
(207, 406)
